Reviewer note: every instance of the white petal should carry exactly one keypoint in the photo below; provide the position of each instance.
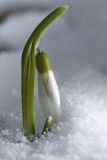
(49, 95)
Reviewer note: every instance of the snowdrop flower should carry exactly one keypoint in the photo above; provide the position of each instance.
(47, 88)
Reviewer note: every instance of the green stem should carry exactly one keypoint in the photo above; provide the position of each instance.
(28, 70)
(48, 125)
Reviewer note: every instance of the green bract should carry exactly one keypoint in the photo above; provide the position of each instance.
(42, 62)
(28, 71)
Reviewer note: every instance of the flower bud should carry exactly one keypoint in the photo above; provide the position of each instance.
(47, 88)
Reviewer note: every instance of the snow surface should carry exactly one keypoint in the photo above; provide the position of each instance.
(81, 133)
(77, 48)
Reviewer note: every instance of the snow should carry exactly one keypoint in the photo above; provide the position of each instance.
(77, 48)
(81, 133)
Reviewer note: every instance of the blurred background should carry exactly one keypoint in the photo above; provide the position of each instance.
(77, 47)
(80, 35)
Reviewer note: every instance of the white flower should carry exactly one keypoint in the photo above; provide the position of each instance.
(49, 96)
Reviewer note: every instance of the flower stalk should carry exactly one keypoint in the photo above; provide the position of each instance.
(28, 71)
(48, 125)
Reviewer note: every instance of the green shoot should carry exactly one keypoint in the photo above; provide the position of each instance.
(48, 125)
(28, 71)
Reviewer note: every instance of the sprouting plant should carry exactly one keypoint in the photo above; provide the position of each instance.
(48, 92)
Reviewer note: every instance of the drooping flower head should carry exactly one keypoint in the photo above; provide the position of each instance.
(49, 96)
